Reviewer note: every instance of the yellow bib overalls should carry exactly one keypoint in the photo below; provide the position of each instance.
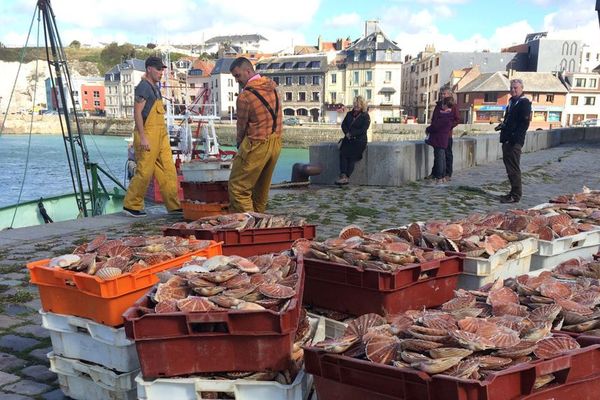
(158, 162)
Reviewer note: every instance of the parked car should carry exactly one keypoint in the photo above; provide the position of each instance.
(292, 121)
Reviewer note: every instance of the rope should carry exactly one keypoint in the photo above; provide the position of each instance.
(18, 70)
(30, 128)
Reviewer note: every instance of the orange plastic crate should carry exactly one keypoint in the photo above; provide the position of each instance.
(194, 211)
(104, 301)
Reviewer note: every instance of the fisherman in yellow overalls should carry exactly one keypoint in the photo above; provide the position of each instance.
(151, 145)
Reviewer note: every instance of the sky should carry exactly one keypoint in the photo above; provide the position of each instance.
(451, 25)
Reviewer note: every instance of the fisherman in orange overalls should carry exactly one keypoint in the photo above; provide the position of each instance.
(151, 145)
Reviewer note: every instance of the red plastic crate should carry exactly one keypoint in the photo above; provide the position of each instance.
(250, 242)
(194, 211)
(174, 344)
(102, 300)
(351, 290)
(339, 377)
(208, 192)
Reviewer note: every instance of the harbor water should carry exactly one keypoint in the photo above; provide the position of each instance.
(48, 169)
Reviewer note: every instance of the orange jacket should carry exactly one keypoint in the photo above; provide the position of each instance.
(253, 118)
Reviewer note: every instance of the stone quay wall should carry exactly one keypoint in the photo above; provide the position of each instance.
(394, 163)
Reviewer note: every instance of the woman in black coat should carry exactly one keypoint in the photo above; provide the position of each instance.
(354, 142)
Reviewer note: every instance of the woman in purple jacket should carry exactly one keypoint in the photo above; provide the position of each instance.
(439, 133)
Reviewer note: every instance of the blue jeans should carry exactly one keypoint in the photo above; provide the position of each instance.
(439, 163)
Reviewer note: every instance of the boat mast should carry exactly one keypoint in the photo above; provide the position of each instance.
(72, 138)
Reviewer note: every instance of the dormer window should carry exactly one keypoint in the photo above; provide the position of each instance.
(356, 56)
(369, 56)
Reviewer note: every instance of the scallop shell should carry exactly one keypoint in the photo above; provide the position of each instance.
(458, 303)
(244, 264)
(555, 290)
(64, 261)
(382, 349)
(361, 325)
(545, 233)
(493, 243)
(523, 348)
(502, 296)
(428, 331)
(237, 281)
(561, 219)
(452, 231)
(337, 345)
(472, 341)
(419, 345)
(249, 306)
(350, 231)
(208, 290)
(543, 380)
(555, 346)
(510, 309)
(107, 245)
(439, 321)
(539, 331)
(587, 298)
(290, 280)
(225, 301)
(108, 272)
(501, 336)
(95, 243)
(166, 306)
(193, 268)
(166, 291)
(195, 304)
(240, 292)
(412, 357)
(276, 291)
(436, 366)
(116, 262)
(215, 262)
(546, 312)
(493, 362)
(220, 276)
(464, 369)
(582, 327)
(568, 305)
(444, 352)
(470, 324)
(400, 321)
(120, 250)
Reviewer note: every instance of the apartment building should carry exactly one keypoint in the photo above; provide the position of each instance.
(301, 80)
(583, 99)
(424, 75)
(120, 82)
(223, 89)
(484, 98)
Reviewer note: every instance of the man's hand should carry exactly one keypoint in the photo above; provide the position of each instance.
(144, 143)
(348, 136)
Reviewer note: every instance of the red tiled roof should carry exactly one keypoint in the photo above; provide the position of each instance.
(205, 66)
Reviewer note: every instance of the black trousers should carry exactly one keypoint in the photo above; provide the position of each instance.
(449, 157)
(439, 163)
(347, 165)
(511, 155)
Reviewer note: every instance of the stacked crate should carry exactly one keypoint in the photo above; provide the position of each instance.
(174, 348)
(204, 187)
(92, 356)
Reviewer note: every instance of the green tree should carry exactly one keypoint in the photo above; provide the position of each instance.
(76, 44)
(114, 53)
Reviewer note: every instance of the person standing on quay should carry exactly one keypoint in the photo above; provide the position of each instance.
(512, 136)
(353, 144)
(151, 145)
(259, 127)
(439, 134)
(448, 155)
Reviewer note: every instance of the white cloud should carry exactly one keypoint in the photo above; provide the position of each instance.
(343, 20)
(443, 11)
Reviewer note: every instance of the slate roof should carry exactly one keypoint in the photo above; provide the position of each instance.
(222, 66)
(370, 42)
(499, 82)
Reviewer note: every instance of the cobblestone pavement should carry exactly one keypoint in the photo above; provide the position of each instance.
(24, 344)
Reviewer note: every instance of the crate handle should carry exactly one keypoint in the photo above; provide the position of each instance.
(205, 322)
(560, 367)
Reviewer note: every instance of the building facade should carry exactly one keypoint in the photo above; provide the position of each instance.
(120, 82)
(373, 71)
(223, 89)
(240, 43)
(301, 83)
(427, 73)
(484, 99)
(539, 53)
(583, 99)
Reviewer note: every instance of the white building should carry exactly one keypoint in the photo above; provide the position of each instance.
(120, 83)
(583, 99)
(590, 58)
(250, 44)
(373, 70)
(224, 88)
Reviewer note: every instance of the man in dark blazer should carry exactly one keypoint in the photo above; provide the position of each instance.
(512, 136)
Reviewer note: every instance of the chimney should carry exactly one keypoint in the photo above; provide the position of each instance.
(320, 43)
(371, 26)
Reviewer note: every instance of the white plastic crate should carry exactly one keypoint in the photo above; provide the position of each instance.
(509, 269)
(241, 389)
(517, 250)
(328, 328)
(206, 171)
(86, 340)
(83, 381)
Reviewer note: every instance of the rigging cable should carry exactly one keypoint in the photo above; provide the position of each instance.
(30, 122)
(18, 71)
